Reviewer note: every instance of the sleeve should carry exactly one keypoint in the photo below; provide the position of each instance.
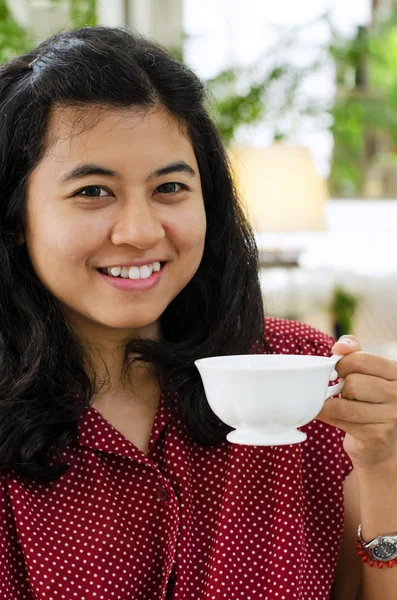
(283, 336)
(14, 583)
(320, 344)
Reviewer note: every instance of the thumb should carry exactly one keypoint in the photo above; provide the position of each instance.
(346, 344)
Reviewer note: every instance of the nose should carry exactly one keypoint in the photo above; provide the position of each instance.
(137, 225)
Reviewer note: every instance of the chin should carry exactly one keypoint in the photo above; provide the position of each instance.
(131, 325)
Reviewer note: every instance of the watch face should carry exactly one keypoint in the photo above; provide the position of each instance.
(384, 550)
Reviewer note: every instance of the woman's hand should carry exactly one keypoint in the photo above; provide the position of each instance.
(367, 410)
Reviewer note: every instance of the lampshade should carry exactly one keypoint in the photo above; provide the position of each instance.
(280, 187)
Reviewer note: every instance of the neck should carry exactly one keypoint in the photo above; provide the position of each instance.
(105, 349)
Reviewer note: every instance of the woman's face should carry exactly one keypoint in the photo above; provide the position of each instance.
(119, 187)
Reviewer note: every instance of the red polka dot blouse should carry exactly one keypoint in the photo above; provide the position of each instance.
(185, 522)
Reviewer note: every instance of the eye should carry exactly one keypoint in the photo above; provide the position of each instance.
(94, 191)
(171, 188)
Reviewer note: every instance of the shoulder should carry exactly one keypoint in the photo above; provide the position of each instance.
(284, 336)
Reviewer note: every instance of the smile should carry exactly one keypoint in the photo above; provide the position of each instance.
(133, 272)
(147, 278)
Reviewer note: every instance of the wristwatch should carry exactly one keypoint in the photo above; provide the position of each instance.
(382, 548)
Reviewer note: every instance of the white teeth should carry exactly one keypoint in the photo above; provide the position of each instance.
(145, 271)
(134, 273)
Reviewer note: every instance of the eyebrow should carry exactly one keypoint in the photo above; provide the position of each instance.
(84, 170)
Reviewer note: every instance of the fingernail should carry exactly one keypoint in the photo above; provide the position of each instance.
(344, 341)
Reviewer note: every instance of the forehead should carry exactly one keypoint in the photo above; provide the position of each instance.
(77, 132)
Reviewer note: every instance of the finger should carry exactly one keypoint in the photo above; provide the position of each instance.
(354, 411)
(376, 434)
(367, 364)
(367, 388)
(346, 344)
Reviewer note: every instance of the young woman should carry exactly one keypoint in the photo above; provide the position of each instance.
(125, 256)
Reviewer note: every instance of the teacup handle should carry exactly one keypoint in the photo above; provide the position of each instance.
(332, 390)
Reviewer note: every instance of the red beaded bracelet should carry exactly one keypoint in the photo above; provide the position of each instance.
(361, 553)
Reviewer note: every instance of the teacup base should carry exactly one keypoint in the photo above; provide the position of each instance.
(266, 438)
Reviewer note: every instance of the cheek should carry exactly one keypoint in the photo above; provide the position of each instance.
(55, 240)
(188, 231)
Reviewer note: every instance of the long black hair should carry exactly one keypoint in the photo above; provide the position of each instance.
(44, 388)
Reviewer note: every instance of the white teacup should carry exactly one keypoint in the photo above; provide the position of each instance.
(265, 397)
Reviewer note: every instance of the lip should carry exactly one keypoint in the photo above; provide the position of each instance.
(133, 263)
(130, 285)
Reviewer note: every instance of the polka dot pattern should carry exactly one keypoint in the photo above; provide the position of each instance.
(187, 521)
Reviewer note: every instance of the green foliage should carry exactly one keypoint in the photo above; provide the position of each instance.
(365, 101)
(362, 107)
(343, 308)
(346, 175)
(240, 97)
(231, 109)
(83, 13)
(272, 89)
(13, 38)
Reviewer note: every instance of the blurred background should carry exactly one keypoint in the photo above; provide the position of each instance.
(305, 97)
